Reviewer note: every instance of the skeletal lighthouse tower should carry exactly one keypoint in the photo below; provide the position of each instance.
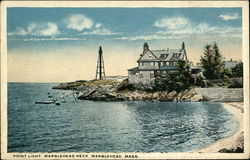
(100, 72)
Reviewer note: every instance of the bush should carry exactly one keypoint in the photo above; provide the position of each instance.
(175, 81)
(200, 81)
(238, 70)
(235, 84)
(125, 85)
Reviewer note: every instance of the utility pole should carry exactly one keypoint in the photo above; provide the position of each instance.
(100, 72)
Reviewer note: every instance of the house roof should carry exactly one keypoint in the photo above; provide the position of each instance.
(158, 53)
(168, 52)
(169, 55)
(230, 64)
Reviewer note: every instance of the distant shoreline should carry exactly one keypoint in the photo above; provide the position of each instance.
(234, 143)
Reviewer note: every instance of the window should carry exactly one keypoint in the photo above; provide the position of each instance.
(164, 63)
(151, 75)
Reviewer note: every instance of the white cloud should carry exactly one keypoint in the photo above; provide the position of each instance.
(98, 25)
(229, 16)
(146, 37)
(19, 31)
(50, 29)
(183, 26)
(201, 29)
(79, 22)
(100, 32)
(39, 29)
(172, 22)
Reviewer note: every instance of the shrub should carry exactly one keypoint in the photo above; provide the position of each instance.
(235, 84)
(125, 85)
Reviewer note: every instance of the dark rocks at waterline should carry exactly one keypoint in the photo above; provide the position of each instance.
(109, 93)
(237, 147)
(234, 150)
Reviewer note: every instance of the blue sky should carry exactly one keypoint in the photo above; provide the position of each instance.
(67, 35)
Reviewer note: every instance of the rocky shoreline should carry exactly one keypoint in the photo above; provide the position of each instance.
(112, 92)
(105, 94)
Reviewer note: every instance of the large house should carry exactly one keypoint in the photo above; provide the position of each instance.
(230, 64)
(152, 62)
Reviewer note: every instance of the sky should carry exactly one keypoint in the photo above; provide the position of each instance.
(61, 44)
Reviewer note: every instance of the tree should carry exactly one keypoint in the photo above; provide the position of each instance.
(178, 80)
(212, 62)
(184, 74)
(237, 71)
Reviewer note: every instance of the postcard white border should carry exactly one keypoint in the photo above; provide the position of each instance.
(170, 4)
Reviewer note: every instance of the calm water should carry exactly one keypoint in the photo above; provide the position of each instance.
(87, 126)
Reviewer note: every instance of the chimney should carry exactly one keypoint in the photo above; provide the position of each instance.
(145, 47)
(183, 45)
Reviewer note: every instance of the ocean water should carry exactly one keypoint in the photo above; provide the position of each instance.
(89, 126)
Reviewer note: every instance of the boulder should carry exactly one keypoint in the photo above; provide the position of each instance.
(163, 96)
(178, 97)
(111, 95)
(188, 94)
(196, 98)
(171, 96)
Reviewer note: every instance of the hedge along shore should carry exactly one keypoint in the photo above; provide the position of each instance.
(234, 143)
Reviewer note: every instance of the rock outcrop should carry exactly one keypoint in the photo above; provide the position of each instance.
(106, 90)
(110, 93)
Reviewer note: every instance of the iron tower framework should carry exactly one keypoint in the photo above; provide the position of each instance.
(100, 72)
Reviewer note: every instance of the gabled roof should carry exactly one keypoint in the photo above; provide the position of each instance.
(163, 55)
(156, 58)
(165, 51)
(134, 69)
(169, 53)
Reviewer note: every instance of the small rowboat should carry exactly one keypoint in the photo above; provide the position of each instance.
(45, 102)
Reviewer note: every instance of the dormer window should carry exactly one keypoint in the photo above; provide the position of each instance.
(176, 55)
(164, 55)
